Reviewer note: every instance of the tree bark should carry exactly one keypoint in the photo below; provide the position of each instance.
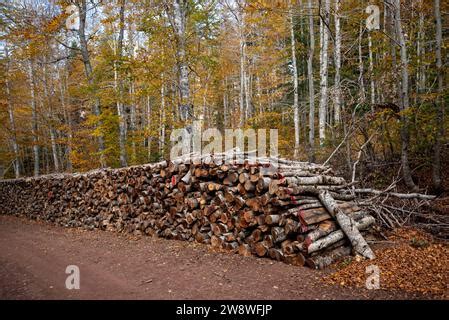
(362, 96)
(67, 117)
(180, 17)
(436, 163)
(119, 87)
(347, 224)
(34, 127)
(82, 7)
(404, 99)
(324, 61)
(12, 122)
(162, 118)
(295, 83)
(337, 57)
(311, 85)
(338, 235)
(371, 72)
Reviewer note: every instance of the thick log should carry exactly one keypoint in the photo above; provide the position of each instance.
(339, 235)
(278, 234)
(296, 259)
(245, 250)
(322, 261)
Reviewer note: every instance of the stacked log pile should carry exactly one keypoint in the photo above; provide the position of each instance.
(295, 212)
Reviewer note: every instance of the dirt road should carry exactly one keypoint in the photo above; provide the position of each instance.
(34, 257)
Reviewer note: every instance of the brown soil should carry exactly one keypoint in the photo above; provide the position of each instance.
(34, 257)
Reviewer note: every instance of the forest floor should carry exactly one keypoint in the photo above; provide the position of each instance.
(34, 257)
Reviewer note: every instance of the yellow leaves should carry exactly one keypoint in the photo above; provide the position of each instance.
(55, 24)
(403, 267)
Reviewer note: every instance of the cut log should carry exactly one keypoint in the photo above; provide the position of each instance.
(339, 235)
(322, 261)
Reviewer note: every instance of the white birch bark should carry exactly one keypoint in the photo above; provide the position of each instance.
(180, 16)
(12, 123)
(149, 125)
(436, 163)
(362, 95)
(371, 72)
(324, 61)
(162, 119)
(34, 127)
(118, 83)
(403, 98)
(337, 58)
(295, 83)
(311, 85)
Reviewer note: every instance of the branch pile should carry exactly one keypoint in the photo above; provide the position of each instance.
(295, 212)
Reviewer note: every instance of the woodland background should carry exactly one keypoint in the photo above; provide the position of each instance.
(110, 92)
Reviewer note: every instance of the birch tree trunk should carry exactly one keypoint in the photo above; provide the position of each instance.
(149, 126)
(420, 73)
(311, 85)
(180, 16)
(324, 61)
(404, 99)
(34, 127)
(162, 119)
(119, 87)
(225, 102)
(337, 57)
(371, 73)
(82, 9)
(132, 120)
(52, 131)
(362, 95)
(295, 83)
(436, 163)
(67, 117)
(12, 123)
(242, 76)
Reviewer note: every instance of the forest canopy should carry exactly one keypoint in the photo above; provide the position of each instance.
(91, 83)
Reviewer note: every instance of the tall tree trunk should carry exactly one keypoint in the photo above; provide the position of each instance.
(311, 85)
(248, 93)
(337, 57)
(67, 117)
(12, 123)
(242, 76)
(149, 126)
(295, 83)
(404, 99)
(51, 119)
(162, 119)
(436, 163)
(132, 121)
(82, 9)
(362, 95)
(420, 72)
(119, 87)
(180, 17)
(54, 149)
(225, 103)
(371, 72)
(34, 127)
(324, 61)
